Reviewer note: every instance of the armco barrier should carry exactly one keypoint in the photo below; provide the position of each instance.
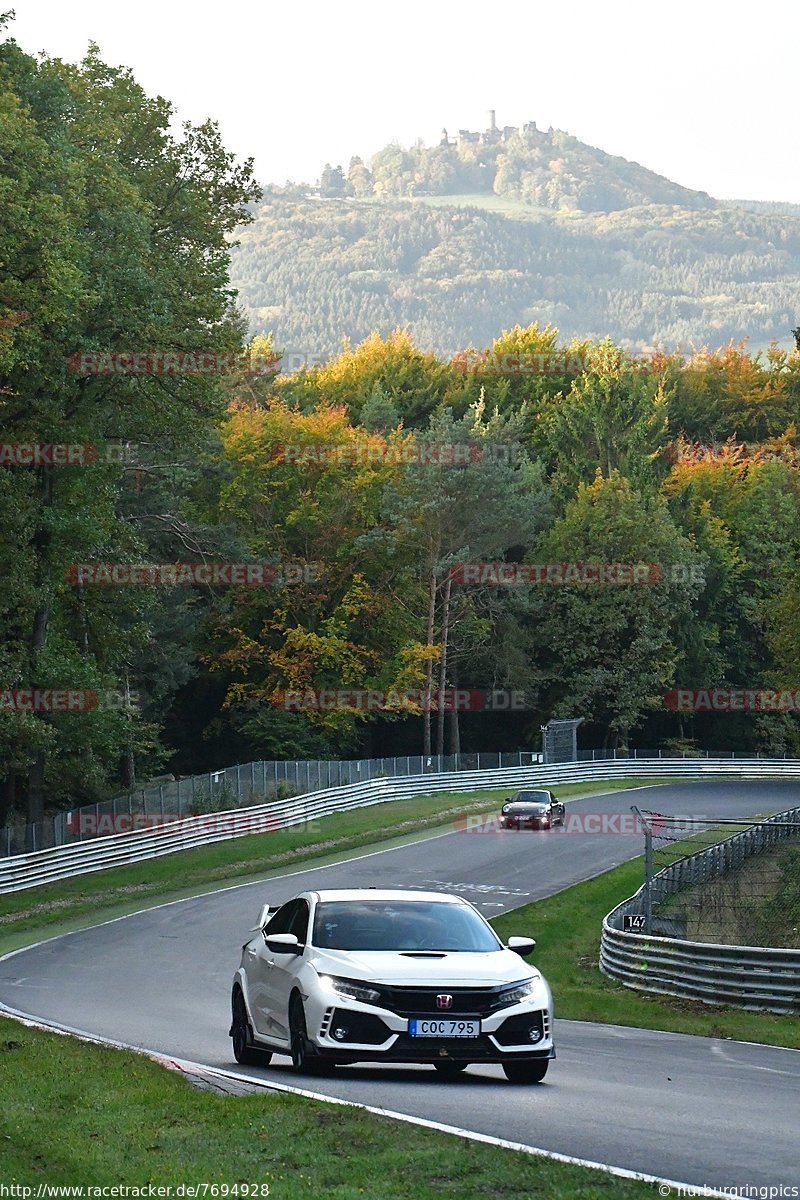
(752, 977)
(63, 862)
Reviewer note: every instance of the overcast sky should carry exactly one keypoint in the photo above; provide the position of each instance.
(702, 91)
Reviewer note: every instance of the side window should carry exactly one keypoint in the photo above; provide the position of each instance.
(299, 922)
(282, 920)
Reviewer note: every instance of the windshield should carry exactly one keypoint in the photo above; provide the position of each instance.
(539, 798)
(401, 925)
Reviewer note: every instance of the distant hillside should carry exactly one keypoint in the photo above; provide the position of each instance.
(538, 169)
(315, 271)
(780, 208)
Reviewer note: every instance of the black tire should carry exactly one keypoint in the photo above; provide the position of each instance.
(304, 1060)
(450, 1069)
(532, 1071)
(242, 1036)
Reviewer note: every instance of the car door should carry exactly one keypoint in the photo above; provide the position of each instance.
(283, 969)
(259, 964)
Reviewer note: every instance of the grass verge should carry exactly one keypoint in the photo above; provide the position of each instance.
(88, 899)
(114, 1117)
(567, 930)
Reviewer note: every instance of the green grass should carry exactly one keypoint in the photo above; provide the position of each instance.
(72, 1113)
(87, 899)
(567, 930)
(487, 201)
(76, 1114)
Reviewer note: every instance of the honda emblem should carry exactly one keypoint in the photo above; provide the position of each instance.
(444, 1001)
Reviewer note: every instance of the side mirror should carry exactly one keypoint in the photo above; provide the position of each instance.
(263, 917)
(283, 943)
(522, 946)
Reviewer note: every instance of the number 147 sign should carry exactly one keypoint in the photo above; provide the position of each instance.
(633, 923)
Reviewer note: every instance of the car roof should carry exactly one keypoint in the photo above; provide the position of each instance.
(384, 894)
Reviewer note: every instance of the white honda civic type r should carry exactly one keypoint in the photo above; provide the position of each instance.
(389, 976)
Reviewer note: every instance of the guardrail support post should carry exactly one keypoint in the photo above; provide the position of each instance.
(648, 879)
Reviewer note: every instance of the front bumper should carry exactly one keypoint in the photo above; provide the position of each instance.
(516, 822)
(347, 1031)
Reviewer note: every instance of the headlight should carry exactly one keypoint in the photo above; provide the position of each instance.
(506, 807)
(516, 993)
(351, 989)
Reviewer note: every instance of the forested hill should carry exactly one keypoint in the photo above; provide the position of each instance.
(313, 271)
(528, 166)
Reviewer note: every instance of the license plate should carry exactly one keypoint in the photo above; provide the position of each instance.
(444, 1028)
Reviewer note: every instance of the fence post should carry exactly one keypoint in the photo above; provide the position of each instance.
(648, 874)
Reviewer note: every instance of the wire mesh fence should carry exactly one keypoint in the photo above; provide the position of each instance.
(242, 786)
(723, 882)
(254, 783)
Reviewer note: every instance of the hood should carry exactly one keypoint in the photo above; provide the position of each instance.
(406, 970)
(529, 807)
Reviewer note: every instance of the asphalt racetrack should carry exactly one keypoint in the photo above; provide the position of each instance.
(704, 1111)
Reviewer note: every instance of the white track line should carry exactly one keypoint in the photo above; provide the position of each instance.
(182, 1065)
(234, 887)
(185, 1066)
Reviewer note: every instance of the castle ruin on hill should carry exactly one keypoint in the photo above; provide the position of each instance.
(492, 134)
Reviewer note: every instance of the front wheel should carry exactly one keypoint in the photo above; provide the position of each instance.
(304, 1061)
(532, 1071)
(242, 1036)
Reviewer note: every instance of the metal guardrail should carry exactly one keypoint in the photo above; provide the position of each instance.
(243, 785)
(752, 977)
(63, 862)
(258, 782)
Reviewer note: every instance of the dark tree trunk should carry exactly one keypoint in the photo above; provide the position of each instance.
(443, 666)
(128, 763)
(7, 797)
(454, 729)
(426, 716)
(41, 619)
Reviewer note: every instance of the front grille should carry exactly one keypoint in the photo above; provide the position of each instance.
(414, 1049)
(414, 1002)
